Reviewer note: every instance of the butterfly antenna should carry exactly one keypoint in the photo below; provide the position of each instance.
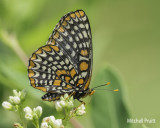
(115, 90)
(108, 83)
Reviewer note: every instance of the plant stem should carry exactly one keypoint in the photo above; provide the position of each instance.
(22, 117)
(12, 42)
(36, 123)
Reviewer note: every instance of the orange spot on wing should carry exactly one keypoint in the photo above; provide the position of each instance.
(33, 57)
(73, 72)
(61, 29)
(64, 23)
(31, 64)
(39, 51)
(80, 81)
(41, 88)
(31, 73)
(55, 48)
(68, 86)
(67, 79)
(46, 48)
(84, 52)
(56, 35)
(61, 72)
(32, 81)
(81, 13)
(87, 84)
(77, 14)
(73, 15)
(68, 18)
(57, 82)
(83, 66)
(53, 42)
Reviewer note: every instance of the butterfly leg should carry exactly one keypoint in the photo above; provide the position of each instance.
(82, 102)
(70, 95)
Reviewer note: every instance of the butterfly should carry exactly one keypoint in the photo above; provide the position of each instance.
(64, 64)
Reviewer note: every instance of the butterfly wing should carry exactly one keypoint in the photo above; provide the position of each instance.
(73, 33)
(65, 63)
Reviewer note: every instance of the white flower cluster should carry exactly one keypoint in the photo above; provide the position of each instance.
(51, 122)
(64, 102)
(14, 100)
(33, 114)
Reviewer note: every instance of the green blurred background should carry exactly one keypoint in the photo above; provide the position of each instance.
(126, 50)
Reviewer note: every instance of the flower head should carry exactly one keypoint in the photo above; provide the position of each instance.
(14, 100)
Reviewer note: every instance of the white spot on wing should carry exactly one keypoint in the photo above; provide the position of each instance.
(50, 59)
(85, 34)
(67, 46)
(43, 75)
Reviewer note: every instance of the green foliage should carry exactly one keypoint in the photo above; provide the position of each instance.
(110, 108)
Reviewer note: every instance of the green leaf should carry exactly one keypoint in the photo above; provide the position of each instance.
(109, 108)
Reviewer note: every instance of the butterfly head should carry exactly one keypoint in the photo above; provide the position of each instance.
(91, 92)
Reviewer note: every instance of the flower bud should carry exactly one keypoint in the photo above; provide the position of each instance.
(14, 99)
(27, 110)
(65, 96)
(17, 125)
(46, 119)
(23, 94)
(38, 111)
(29, 116)
(15, 93)
(7, 106)
(70, 104)
(58, 123)
(44, 125)
(58, 106)
(62, 103)
(80, 110)
(52, 118)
